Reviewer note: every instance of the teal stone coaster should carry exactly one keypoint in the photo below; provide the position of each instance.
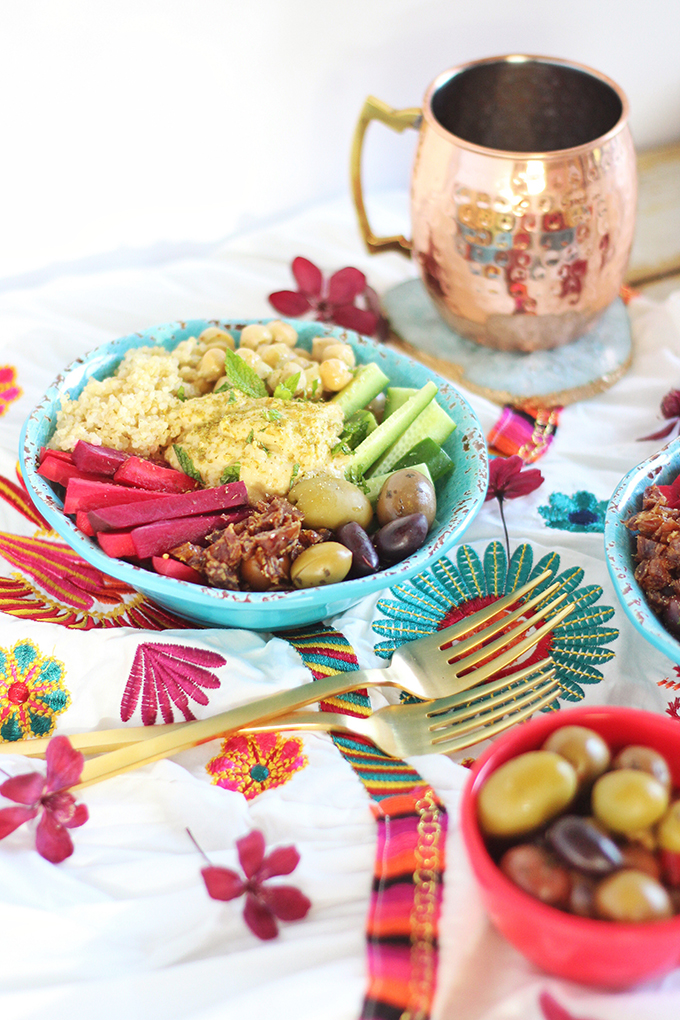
(575, 371)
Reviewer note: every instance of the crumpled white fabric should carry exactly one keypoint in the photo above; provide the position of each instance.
(124, 926)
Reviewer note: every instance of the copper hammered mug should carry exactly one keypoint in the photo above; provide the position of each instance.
(523, 196)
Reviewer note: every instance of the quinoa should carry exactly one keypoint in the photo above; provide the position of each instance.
(127, 411)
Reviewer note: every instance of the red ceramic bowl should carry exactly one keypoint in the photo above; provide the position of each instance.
(604, 954)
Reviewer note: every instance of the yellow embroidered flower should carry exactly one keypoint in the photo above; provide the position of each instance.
(32, 692)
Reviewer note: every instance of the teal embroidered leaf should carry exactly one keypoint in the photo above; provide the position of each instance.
(495, 568)
(520, 567)
(451, 581)
(471, 571)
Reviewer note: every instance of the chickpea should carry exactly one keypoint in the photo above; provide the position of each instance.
(254, 335)
(211, 365)
(275, 355)
(290, 369)
(301, 356)
(213, 336)
(319, 345)
(254, 361)
(334, 374)
(342, 351)
(283, 332)
(313, 384)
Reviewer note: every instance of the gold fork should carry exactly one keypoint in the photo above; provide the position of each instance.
(428, 667)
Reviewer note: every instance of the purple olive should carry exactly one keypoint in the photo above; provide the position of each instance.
(583, 846)
(401, 537)
(364, 557)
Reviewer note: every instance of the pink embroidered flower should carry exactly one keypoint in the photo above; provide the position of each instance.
(167, 674)
(265, 904)
(332, 300)
(47, 796)
(254, 762)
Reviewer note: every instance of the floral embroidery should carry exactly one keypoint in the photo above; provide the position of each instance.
(169, 673)
(254, 762)
(264, 903)
(47, 796)
(580, 512)
(9, 391)
(32, 692)
(439, 597)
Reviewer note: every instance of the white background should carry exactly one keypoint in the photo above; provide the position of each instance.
(135, 130)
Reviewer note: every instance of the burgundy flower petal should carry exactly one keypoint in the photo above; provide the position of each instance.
(251, 852)
(64, 764)
(346, 285)
(12, 817)
(63, 808)
(670, 405)
(551, 1008)
(24, 789)
(523, 484)
(359, 319)
(281, 861)
(289, 302)
(662, 433)
(52, 841)
(286, 902)
(308, 277)
(222, 883)
(508, 480)
(259, 918)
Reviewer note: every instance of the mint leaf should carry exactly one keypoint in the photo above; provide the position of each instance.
(231, 473)
(242, 377)
(286, 389)
(186, 463)
(180, 394)
(294, 474)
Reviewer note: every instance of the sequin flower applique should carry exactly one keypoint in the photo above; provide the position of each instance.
(254, 762)
(265, 904)
(32, 692)
(47, 796)
(580, 512)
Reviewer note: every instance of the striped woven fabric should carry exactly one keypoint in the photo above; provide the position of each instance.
(403, 917)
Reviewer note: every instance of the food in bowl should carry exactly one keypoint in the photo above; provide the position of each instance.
(589, 832)
(297, 430)
(657, 551)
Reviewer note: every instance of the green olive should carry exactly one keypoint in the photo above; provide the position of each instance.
(325, 563)
(584, 748)
(668, 830)
(328, 502)
(404, 493)
(637, 756)
(525, 792)
(631, 895)
(626, 800)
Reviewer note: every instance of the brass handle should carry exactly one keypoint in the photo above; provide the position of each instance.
(375, 109)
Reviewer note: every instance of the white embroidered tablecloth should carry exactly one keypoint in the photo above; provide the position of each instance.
(124, 927)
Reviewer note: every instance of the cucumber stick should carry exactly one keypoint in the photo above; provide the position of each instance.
(433, 423)
(369, 381)
(388, 432)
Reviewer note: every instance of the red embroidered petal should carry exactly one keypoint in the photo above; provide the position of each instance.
(251, 852)
(359, 319)
(286, 902)
(259, 918)
(222, 883)
(12, 817)
(52, 841)
(346, 285)
(289, 302)
(64, 764)
(307, 276)
(281, 861)
(24, 789)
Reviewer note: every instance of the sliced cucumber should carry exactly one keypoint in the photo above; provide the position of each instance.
(374, 484)
(433, 423)
(395, 396)
(388, 432)
(369, 381)
(430, 453)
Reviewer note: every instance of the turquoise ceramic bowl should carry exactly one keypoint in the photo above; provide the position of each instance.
(267, 611)
(661, 468)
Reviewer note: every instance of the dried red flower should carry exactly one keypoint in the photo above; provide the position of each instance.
(48, 796)
(333, 300)
(670, 409)
(552, 1010)
(508, 479)
(264, 904)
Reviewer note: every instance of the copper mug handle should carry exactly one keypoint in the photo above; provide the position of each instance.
(375, 109)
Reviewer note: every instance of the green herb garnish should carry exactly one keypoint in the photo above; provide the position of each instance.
(186, 463)
(286, 389)
(250, 437)
(294, 474)
(242, 377)
(231, 473)
(181, 394)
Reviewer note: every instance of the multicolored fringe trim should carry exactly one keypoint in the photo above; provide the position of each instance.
(403, 918)
(527, 432)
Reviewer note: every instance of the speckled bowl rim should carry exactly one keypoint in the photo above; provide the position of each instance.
(660, 468)
(268, 610)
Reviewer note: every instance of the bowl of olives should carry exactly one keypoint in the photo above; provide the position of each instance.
(571, 824)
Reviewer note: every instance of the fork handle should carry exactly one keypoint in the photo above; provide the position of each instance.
(198, 732)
